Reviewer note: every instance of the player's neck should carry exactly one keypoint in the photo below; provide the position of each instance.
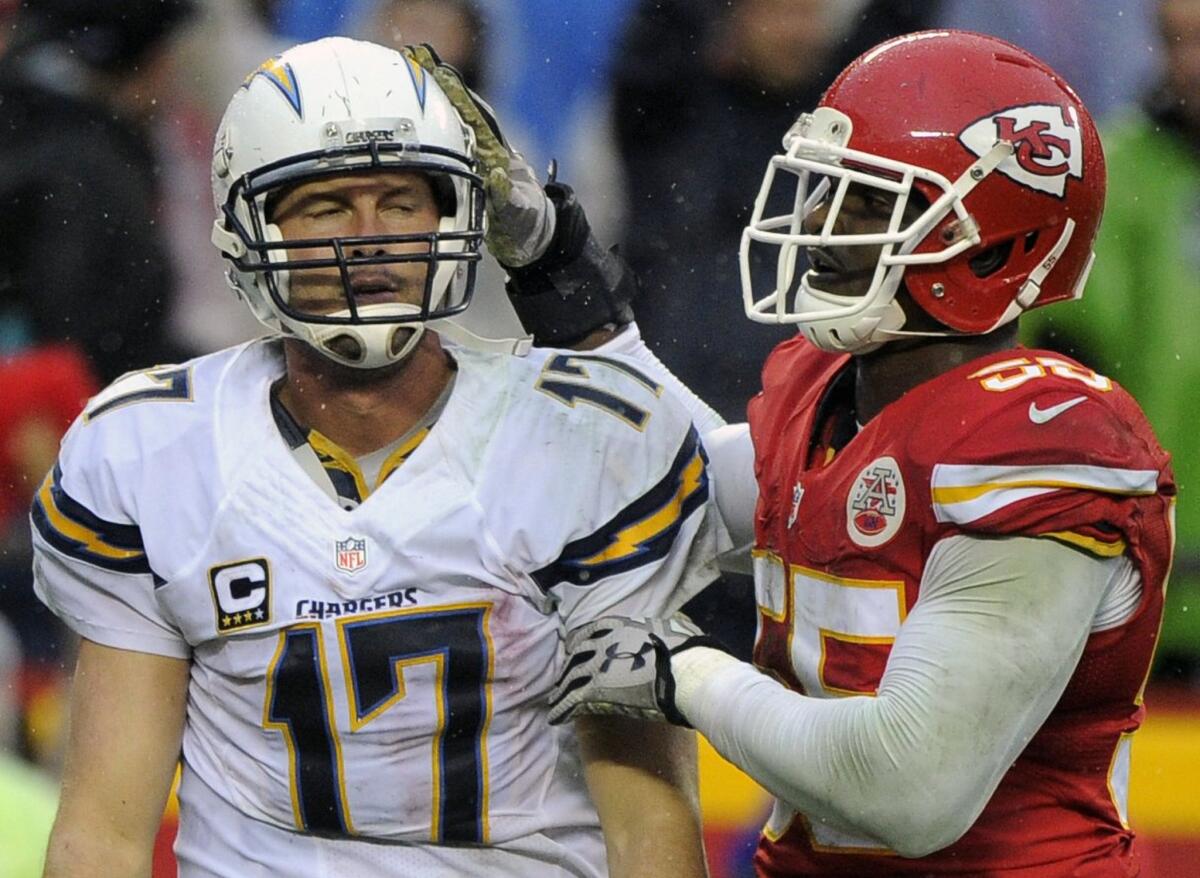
(361, 410)
(885, 375)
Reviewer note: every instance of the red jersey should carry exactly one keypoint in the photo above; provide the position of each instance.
(42, 389)
(1019, 443)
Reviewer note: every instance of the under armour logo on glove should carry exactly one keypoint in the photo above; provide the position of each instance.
(637, 662)
(623, 666)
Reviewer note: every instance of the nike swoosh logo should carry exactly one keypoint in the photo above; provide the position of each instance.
(1041, 416)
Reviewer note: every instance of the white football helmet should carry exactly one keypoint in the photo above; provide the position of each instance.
(332, 107)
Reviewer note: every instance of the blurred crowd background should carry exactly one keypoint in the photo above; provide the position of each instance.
(661, 113)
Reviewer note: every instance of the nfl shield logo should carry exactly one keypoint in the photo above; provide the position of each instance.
(350, 555)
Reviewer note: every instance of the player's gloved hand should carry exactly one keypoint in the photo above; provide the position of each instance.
(623, 666)
(521, 216)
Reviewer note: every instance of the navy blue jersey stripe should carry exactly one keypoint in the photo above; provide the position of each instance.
(80, 550)
(119, 536)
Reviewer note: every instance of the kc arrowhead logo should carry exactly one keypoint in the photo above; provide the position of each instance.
(1047, 145)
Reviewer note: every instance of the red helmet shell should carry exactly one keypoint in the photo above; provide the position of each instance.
(940, 100)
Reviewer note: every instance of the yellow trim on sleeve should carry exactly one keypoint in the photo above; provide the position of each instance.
(630, 539)
(966, 493)
(72, 530)
(1088, 544)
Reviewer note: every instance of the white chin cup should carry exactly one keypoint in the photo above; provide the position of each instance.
(363, 346)
(861, 329)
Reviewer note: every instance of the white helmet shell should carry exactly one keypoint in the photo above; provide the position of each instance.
(331, 107)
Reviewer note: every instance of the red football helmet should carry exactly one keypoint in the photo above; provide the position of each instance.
(1007, 160)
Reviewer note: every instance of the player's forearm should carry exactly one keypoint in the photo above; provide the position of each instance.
(971, 678)
(82, 849)
(87, 846)
(642, 779)
(107, 827)
(828, 758)
(126, 724)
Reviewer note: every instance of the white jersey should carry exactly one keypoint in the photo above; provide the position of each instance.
(377, 674)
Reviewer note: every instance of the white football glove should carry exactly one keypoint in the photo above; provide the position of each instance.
(623, 666)
(521, 216)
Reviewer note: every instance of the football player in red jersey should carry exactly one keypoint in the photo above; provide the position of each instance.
(960, 545)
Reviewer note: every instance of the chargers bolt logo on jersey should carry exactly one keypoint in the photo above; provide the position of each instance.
(241, 594)
(350, 554)
(875, 504)
(1047, 147)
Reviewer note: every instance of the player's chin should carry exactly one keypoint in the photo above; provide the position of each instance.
(349, 350)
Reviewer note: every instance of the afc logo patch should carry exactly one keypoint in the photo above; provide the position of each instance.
(241, 594)
(350, 554)
(1047, 145)
(875, 503)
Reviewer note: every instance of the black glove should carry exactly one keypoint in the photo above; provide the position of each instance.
(576, 287)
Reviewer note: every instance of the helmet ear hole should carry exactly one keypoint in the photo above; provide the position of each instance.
(1031, 240)
(993, 258)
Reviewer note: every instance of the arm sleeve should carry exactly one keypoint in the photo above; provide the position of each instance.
(731, 466)
(980, 662)
(649, 559)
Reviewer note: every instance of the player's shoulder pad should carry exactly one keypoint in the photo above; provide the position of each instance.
(599, 401)
(1032, 404)
(600, 456)
(794, 376)
(147, 410)
(1029, 424)
(141, 429)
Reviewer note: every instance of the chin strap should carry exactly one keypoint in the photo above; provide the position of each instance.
(460, 335)
(980, 170)
(1032, 288)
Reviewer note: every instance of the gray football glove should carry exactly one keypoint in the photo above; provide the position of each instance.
(623, 666)
(520, 215)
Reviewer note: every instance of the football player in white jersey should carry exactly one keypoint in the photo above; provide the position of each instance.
(330, 570)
